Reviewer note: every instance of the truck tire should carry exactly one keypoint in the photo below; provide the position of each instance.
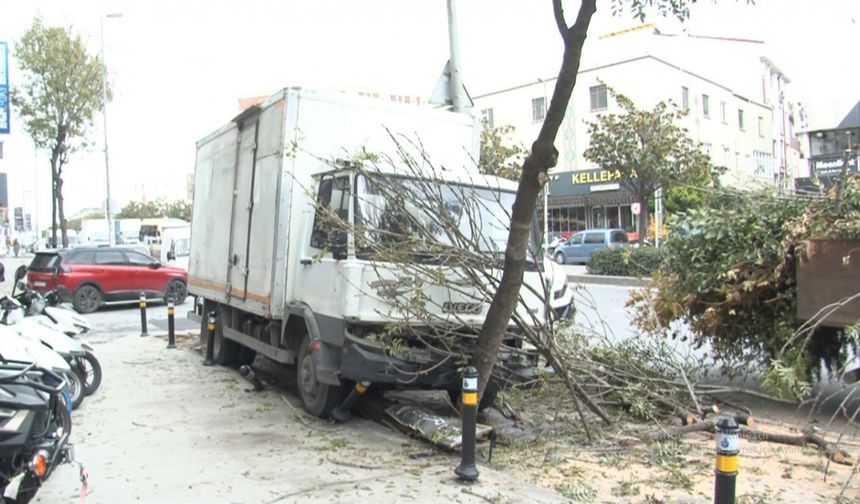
(246, 356)
(224, 351)
(318, 398)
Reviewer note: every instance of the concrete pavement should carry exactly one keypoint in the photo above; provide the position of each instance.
(165, 429)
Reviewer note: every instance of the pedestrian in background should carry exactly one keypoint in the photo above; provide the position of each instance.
(16, 246)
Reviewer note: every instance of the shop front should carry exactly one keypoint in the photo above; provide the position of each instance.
(585, 199)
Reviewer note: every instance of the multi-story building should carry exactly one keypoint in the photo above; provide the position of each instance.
(828, 149)
(734, 94)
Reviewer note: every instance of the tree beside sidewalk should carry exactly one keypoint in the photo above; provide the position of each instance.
(648, 149)
(60, 92)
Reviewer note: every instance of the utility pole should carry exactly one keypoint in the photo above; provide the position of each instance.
(456, 80)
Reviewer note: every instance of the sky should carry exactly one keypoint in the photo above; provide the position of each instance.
(178, 68)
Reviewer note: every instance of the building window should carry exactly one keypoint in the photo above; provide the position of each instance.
(598, 97)
(763, 163)
(685, 98)
(706, 106)
(741, 119)
(723, 112)
(761, 126)
(538, 109)
(706, 149)
(487, 118)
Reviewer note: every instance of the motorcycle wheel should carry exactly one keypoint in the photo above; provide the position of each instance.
(90, 370)
(62, 417)
(76, 387)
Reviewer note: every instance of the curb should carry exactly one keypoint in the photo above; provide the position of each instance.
(609, 280)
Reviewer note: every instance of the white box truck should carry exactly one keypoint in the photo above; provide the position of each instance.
(256, 259)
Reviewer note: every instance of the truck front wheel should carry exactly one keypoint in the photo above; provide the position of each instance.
(319, 398)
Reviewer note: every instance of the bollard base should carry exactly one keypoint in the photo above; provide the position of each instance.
(208, 362)
(467, 472)
(171, 346)
(144, 334)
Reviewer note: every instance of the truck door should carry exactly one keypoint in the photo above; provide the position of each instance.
(327, 245)
(243, 207)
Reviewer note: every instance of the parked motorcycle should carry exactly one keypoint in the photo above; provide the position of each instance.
(35, 425)
(44, 341)
(67, 321)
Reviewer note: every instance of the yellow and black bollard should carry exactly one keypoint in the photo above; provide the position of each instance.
(342, 412)
(726, 471)
(210, 340)
(171, 334)
(143, 314)
(469, 411)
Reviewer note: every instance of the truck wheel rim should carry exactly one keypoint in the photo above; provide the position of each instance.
(308, 377)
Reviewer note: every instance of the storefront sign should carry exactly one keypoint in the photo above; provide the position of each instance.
(595, 176)
(831, 166)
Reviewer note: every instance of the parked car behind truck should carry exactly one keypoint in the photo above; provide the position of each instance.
(579, 247)
(90, 277)
(282, 286)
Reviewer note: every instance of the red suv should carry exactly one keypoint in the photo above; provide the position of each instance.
(91, 277)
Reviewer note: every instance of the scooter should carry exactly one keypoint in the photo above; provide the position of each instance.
(62, 315)
(43, 339)
(81, 355)
(36, 425)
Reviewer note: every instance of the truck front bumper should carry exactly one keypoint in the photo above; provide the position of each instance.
(415, 368)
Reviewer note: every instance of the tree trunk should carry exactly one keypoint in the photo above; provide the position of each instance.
(61, 212)
(542, 157)
(55, 156)
(643, 219)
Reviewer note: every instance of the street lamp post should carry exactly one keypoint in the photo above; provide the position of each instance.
(104, 125)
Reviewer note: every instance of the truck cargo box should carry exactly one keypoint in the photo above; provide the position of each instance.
(254, 177)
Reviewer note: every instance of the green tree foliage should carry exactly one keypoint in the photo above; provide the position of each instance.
(60, 91)
(649, 150)
(179, 209)
(729, 272)
(499, 155)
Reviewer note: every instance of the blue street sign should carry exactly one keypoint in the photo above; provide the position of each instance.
(4, 87)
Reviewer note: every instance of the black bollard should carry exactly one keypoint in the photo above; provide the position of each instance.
(466, 470)
(726, 469)
(210, 340)
(143, 315)
(342, 412)
(171, 334)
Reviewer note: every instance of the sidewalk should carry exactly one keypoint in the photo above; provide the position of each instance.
(165, 429)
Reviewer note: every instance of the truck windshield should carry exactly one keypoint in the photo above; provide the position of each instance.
(393, 209)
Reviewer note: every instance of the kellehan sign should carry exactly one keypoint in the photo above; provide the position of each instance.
(595, 176)
(582, 182)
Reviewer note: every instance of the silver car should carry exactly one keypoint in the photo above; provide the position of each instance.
(579, 247)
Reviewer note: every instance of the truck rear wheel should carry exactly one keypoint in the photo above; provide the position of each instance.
(224, 351)
(319, 398)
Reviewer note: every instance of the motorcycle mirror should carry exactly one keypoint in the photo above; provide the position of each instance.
(20, 272)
